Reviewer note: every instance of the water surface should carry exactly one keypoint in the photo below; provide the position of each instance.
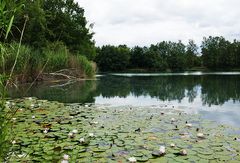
(214, 95)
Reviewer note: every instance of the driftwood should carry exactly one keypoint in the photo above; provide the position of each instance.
(63, 75)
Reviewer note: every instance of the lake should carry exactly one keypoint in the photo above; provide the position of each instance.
(216, 96)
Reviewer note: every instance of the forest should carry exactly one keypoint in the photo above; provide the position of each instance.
(215, 53)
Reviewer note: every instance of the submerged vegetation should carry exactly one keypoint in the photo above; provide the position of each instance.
(50, 131)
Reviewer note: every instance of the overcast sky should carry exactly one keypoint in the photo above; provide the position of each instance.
(142, 22)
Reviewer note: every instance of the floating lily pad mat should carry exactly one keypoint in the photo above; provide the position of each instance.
(46, 131)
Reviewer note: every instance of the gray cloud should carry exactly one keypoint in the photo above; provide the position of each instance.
(142, 22)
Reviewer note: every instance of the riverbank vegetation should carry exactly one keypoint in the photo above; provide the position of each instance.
(215, 53)
(54, 36)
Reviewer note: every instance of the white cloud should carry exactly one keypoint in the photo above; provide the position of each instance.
(142, 22)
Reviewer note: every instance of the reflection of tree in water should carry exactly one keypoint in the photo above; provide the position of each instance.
(215, 89)
(165, 88)
(77, 92)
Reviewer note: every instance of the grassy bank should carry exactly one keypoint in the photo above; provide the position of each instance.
(31, 62)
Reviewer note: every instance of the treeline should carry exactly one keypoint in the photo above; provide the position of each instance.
(54, 32)
(214, 53)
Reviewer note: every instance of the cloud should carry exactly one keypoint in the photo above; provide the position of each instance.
(142, 22)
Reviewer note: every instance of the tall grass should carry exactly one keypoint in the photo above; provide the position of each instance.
(31, 61)
(85, 65)
(57, 56)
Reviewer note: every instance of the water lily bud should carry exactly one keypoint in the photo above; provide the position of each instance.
(75, 131)
(172, 145)
(91, 134)
(189, 125)
(132, 159)
(33, 117)
(65, 157)
(200, 135)
(81, 140)
(183, 152)
(162, 150)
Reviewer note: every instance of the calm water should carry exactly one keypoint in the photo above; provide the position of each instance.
(214, 95)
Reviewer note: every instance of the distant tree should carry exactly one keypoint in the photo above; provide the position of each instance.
(217, 53)
(111, 58)
(191, 54)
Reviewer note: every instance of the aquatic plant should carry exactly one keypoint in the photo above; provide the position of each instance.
(158, 141)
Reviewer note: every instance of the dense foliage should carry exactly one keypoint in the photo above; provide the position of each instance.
(55, 20)
(219, 53)
(54, 36)
(215, 53)
(159, 57)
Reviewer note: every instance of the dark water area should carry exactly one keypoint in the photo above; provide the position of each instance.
(215, 96)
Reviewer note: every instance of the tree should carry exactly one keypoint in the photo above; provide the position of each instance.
(111, 58)
(191, 55)
(54, 21)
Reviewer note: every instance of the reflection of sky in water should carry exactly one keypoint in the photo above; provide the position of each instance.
(228, 113)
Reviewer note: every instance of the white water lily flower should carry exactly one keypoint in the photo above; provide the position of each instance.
(64, 161)
(22, 155)
(33, 117)
(172, 145)
(7, 103)
(95, 122)
(45, 131)
(14, 142)
(70, 134)
(32, 105)
(162, 150)
(65, 157)
(30, 98)
(14, 119)
(74, 131)
(20, 109)
(183, 152)
(200, 135)
(173, 119)
(81, 140)
(189, 125)
(132, 159)
(91, 134)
